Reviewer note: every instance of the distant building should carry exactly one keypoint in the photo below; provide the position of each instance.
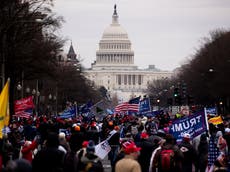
(114, 66)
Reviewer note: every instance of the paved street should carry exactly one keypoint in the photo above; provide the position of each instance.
(106, 164)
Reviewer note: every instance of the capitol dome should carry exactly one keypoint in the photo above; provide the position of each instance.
(115, 30)
(115, 48)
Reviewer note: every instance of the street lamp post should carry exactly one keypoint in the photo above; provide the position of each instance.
(36, 94)
(19, 88)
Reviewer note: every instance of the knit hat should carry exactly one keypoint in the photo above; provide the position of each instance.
(77, 128)
(90, 147)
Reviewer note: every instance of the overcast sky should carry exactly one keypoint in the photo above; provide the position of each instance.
(163, 32)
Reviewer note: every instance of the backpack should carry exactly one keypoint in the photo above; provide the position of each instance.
(166, 161)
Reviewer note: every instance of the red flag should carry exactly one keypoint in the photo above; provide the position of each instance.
(23, 104)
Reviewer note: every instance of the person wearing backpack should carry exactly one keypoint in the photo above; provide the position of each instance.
(89, 161)
(168, 157)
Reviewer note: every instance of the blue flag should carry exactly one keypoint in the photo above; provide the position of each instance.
(144, 105)
(85, 108)
(69, 113)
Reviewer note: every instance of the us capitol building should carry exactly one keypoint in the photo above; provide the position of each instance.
(114, 67)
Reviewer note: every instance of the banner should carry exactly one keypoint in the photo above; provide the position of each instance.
(102, 149)
(144, 105)
(194, 125)
(4, 107)
(23, 104)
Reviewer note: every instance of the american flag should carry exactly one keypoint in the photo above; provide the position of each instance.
(123, 107)
(24, 113)
(132, 106)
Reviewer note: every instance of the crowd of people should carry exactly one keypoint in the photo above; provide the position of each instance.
(137, 144)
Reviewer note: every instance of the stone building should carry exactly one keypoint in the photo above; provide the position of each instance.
(114, 66)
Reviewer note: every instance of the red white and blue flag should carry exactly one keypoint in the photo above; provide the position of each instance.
(134, 104)
(123, 107)
(27, 113)
(131, 106)
(24, 107)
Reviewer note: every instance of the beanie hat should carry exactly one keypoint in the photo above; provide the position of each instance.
(90, 147)
(77, 128)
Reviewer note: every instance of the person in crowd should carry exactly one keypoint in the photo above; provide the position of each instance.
(89, 161)
(92, 132)
(221, 142)
(129, 163)
(146, 151)
(28, 148)
(49, 158)
(190, 155)
(63, 144)
(158, 147)
(71, 158)
(220, 164)
(18, 165)
(6, 149)
(114, 142)
(173, 155)
(202, 153)
(227, 137)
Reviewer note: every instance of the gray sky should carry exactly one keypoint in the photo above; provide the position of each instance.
(163, 32)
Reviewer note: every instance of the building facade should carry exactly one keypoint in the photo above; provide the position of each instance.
(114, 66)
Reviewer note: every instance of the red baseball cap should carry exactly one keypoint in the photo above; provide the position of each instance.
(130, 147)
(144, 135)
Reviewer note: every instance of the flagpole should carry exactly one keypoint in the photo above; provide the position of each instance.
(96, 103)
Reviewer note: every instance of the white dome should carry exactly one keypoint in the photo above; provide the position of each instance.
(115, 31)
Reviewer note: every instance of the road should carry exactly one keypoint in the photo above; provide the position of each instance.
(106, 165)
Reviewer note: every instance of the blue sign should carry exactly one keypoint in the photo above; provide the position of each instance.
(144, 105)
(194, 125)
(211, 111)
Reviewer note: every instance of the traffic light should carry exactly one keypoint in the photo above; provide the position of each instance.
(177, 100)
(170, 101)
(184, 89)
(190, 100)
(176, 92)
